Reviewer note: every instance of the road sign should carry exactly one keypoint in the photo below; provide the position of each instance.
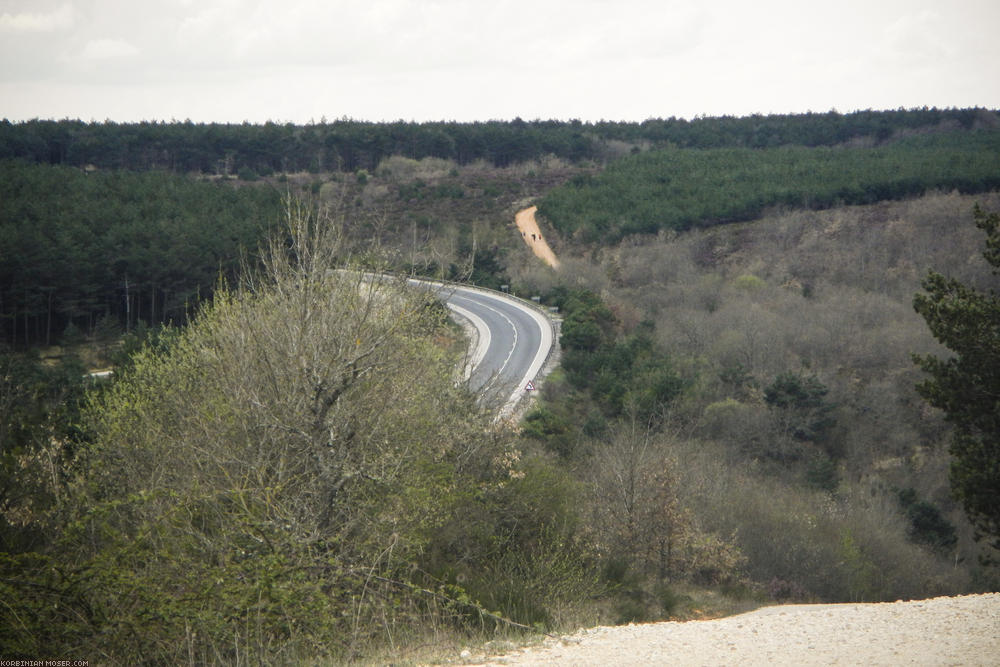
(530, 386)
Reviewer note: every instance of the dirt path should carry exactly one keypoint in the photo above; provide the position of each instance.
(941, 631)
(533, 236)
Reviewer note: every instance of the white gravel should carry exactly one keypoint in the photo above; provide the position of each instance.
(941, 631)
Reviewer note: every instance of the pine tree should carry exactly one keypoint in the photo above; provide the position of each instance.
(967, 385)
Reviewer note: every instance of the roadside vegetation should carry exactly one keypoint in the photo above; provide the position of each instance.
(294, 475)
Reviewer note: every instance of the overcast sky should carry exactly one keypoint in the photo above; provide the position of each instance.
(303, 60)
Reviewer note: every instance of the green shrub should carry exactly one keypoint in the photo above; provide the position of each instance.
(927, 524)
(248, 174)
(553, 430)
(748, 282)
(822, 473)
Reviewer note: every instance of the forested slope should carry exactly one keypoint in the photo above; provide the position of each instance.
(677, 189)
(140, 242)
(122, 246)
(754, 382)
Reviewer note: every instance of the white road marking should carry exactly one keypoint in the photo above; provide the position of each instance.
(484, 338)
(510, 352)
(544, 326)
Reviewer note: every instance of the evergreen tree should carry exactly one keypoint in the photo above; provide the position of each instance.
(967, 385)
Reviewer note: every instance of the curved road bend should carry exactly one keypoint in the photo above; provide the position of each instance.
(514, 340)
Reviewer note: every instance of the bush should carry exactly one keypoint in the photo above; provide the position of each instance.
(927, 524)
(248, 174)
(822, 473)
(748, 282)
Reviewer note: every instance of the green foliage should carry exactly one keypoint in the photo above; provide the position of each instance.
(76, 247)
(966, 385)
(154, 590)
(514, 545)
(418, 190)
(632, 607)
(350, 145)
(156, 339)
(626, 373)
(39, 422)
(682, 188)
(801, 400)
(169, 520)
(790, 390)
(748, 282)
(846, 546)
(737, 378)
(858, 570)
(822, 473)
(735, 472)
(554, 430)
(927, 525)
(487, 268)
(449, 191)
(581, 333)
(413, 190)
(279, 479)
(670, 601)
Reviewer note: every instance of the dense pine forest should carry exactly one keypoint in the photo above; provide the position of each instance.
(349, 145)
(681, 188)
(282, 469)
(119, 245)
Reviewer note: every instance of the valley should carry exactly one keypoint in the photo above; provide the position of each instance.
(284, 461)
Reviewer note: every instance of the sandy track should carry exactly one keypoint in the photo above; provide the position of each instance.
(941, 631)
(532, 235)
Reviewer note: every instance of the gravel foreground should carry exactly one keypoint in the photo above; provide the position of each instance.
(941, 631)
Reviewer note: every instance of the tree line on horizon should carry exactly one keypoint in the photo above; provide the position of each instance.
(349, 145)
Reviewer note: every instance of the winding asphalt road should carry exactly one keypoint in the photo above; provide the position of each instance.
(514, 340)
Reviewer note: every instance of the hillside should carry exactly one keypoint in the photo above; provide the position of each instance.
(677, 189)
(819, 498)
(289, 467)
